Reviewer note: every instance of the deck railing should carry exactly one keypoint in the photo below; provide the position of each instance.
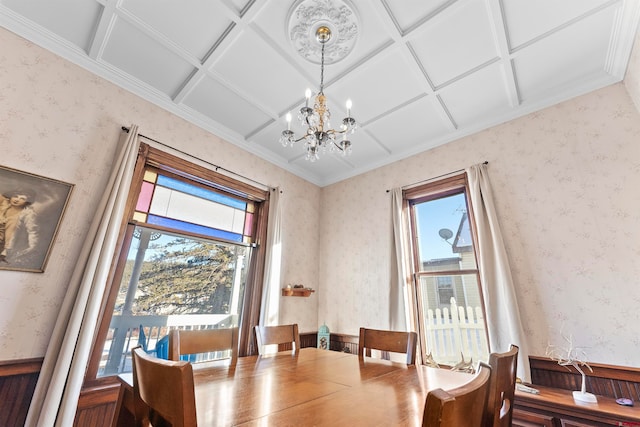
(150, 332)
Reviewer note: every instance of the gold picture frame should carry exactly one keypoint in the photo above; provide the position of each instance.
(31, 210)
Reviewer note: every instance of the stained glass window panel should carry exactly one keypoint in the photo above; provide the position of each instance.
(140, 217)
(194, 228)
(174, 204)
(144, 199)
(150, 176)
(183, 187)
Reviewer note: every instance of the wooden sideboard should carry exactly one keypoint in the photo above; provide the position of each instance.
(555, 407)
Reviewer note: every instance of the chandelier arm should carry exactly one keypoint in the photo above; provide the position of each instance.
(302, 137)
(310, 131)
(337, 146)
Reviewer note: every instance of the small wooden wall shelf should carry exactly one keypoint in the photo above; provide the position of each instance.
(296, 292)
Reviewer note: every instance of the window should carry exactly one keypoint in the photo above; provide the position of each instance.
(188, 258)
(445, 290)
(448, 295)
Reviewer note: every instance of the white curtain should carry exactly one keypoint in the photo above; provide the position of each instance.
(399, 295)
(501, 305)
(56, 396)
(269, 314)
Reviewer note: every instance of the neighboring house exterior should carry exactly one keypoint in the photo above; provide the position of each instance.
(441, 288)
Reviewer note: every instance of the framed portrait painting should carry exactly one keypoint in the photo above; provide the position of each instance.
(31, 209)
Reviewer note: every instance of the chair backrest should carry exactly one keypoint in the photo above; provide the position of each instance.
(163, 391)
(502, 386)
(283, 334)
(394, 341)
(183, 341)
(462, 406)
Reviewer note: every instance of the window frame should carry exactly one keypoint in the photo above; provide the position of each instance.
(433, 190)
(180, 168)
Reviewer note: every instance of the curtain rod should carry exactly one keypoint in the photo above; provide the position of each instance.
(404, 187)
(126, 129)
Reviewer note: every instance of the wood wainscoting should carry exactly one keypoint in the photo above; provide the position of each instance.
(97, 405)
(602, 380)
(337, 342)
(18, 380)
(17, 383)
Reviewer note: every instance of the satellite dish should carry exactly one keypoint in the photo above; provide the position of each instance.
(445, 233)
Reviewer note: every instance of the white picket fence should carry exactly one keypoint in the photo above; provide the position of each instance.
(456, 331)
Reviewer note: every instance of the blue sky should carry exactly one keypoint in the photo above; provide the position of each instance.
(433, 216)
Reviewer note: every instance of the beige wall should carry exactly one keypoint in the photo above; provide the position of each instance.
(563, 181)
(60, 121)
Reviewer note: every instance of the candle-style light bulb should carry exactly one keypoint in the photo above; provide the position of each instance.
(288, 118)
(307, 95)
(349, 108)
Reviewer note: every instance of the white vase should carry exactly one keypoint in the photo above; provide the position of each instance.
(582, 395)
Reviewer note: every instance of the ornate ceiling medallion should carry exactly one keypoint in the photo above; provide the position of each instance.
(306, 16)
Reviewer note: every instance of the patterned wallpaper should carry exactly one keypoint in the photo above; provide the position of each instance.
(563, 185)
(563, 180)
(60, 121)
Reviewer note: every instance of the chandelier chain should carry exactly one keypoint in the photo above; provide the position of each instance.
(322, 70)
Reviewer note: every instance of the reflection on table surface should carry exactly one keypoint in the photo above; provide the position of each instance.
(314, 387)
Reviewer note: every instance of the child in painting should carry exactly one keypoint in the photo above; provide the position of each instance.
(18, 224)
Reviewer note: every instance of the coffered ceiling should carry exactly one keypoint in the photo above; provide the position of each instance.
(420, 74)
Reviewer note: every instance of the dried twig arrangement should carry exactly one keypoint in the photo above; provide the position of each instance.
(576, 357)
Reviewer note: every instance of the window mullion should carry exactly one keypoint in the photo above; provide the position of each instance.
(446, 272)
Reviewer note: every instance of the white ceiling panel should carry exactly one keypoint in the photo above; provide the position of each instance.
(383, 84)
(215, 100)
(133, 52)
(366, 149)
(458, 41)
(55, 17)
(408, 13)
(529, 19)
(239, 5)
(195, 28)
(269, 139)
(416, 69)
(410, 127)
(252, 67)
(489, 98)
(333, 165)
(565, 58)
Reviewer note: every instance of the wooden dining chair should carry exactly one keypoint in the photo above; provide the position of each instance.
(393, 341)
(163, 391)
(280, 335)
(461, 406)
(502, 386)
(191, 342)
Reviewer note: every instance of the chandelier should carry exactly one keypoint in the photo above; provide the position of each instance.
(319, 137)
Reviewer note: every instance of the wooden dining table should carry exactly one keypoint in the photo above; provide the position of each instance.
(310, 388)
